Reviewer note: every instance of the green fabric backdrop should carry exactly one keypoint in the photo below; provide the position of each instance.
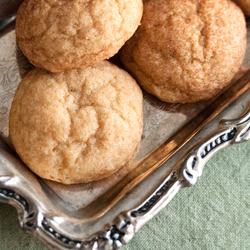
(214, 214)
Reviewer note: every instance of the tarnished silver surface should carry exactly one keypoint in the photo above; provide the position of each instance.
(177, 142)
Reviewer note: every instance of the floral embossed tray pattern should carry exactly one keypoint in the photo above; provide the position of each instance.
(177, 141)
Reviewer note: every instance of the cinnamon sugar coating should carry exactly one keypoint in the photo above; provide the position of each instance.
(58, 35)
(77, 126)
(186, 51)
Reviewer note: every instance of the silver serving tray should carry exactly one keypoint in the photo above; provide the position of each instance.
(177, 141)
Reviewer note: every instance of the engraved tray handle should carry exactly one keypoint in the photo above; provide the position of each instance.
(32, 216)
(233, 131)
(57, 229)
(186, 173)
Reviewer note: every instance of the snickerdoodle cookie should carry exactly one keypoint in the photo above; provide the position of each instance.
(77, 126)
(245, 5)
(186, 51)
(58, 35)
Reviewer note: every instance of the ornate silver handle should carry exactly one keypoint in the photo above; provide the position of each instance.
(186, 173)
(122, 230)
(232, 132)
(38, 215)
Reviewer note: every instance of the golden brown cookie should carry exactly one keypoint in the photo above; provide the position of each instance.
(245, 5)
(186, 51)
(77, 126)
(58, 35)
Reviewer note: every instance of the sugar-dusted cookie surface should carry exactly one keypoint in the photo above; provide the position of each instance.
(77, 126)
(58, 35)
(186, 51)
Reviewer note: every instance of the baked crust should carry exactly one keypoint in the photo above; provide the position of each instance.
(58, 35)
(186, 51)
(77, 126)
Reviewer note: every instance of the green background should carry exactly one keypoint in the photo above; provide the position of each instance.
(214, 214)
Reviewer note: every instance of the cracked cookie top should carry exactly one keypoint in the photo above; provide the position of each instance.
(77, 126)
(58, 35)
(186, 51)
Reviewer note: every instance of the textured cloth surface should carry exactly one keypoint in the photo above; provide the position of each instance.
(214, 214)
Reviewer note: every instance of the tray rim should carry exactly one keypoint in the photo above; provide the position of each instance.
(120, 231)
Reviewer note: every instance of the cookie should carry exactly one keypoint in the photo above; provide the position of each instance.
(245, 5)
(77, 126)
(186, 51)
(59, 35)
